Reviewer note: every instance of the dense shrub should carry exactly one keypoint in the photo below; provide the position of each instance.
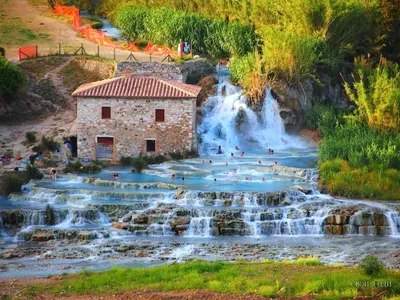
(12, 182)
(349, 27)
(362, 146)
(142, 162)
(355, 160)
(47, 144)
(241, 67)
(324, 117)
(32, 173)
(2, 51)
(94, 166)
(376, 91)
(12, 79)
(252, 74)
(345, 181)
(292, 55)
(30, 137)
(165, 26)
(372, 266)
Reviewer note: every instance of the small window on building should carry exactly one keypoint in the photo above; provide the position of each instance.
(160, 115)
(150, 145)
(106, 112)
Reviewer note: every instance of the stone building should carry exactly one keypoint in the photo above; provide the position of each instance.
(129, 115)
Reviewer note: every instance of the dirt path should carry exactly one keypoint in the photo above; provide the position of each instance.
(21, 289)
(62, 121)
(39, 20)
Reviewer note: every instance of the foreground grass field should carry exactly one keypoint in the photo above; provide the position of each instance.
(306, 276)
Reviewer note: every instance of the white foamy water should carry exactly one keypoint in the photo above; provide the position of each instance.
(228, 122)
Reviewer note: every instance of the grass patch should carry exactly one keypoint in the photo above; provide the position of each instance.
(13, 32)
(85, 70)
(270, 279)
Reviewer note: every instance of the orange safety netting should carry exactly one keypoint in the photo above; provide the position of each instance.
(148, 47)
(100, 38)
(27, 52)
(69, 11)
(154, 49)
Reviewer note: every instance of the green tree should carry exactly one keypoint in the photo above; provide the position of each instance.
(12, 79)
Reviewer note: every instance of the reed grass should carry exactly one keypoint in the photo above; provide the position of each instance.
(166, 26)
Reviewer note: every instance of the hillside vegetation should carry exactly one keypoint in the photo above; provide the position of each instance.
(294, 41)
(333, 32)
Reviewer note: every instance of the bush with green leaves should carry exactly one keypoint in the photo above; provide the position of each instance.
(33, 173)
(325, 118)
(12, 80)
(94, 166)
(372, 266)
(12, 182)
(343, 180)
(142, 162)
(30, 137)
(355, 160)
(376, 92)
(292, 55)
(47, 144)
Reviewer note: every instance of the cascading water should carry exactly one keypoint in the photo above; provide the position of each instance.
(393, 218)
(228, 122)
(200, 224)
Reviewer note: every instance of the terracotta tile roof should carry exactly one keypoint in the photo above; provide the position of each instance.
(138, 87)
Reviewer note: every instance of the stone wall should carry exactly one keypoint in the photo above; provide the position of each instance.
(132, 122)
(160, 70)
(191, 71)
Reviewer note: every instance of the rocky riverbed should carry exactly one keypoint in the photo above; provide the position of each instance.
(58, 256)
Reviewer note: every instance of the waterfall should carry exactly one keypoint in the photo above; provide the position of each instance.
(200, 225)
(228, 122)
(393, 218)
(82, 218)
(34, 218)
